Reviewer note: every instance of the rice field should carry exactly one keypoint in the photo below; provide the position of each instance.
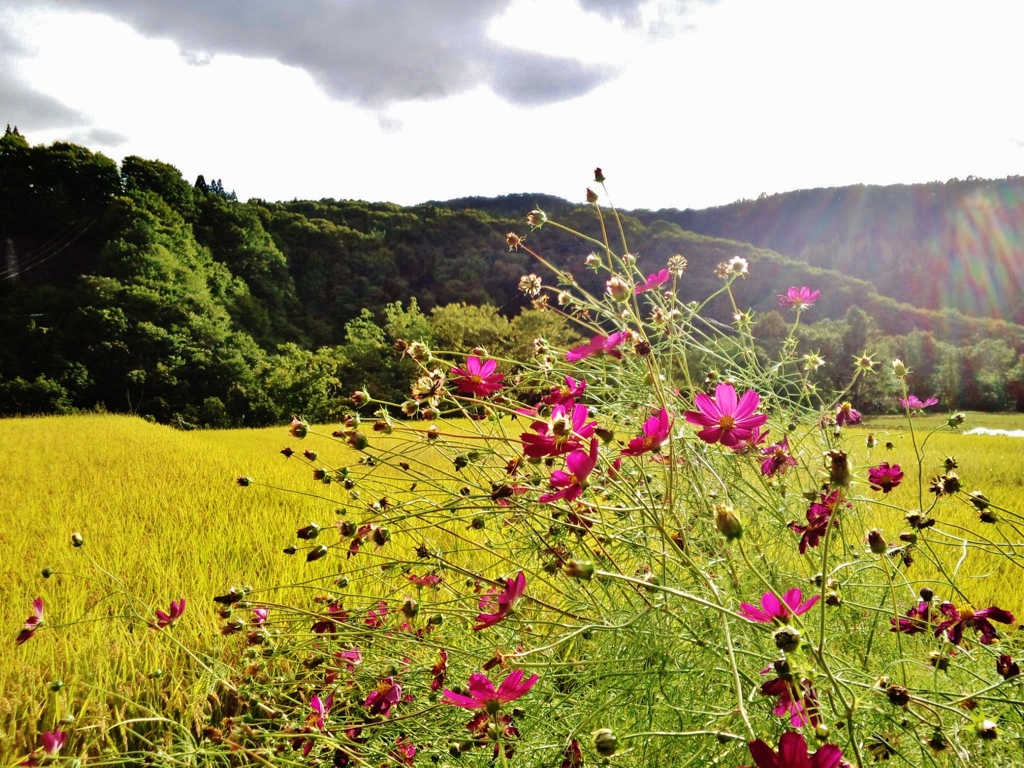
(160, 511)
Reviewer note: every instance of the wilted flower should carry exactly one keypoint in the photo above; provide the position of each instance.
(482, 694)
(536, 218)
(775, 611)
(32, 623)
(1007, 667)
(737, 265)
(864, 363)
(885, 477)
(677, 265)
(724, 418)
(778, 459)
(168, 619)
(514, 589)
(793, 753)
(981, 621)
(298, 428)
(813, 361)
(656, 431)
(531, 284)
(478, 378)
(653, 281)
(798, 298)
(513, 240)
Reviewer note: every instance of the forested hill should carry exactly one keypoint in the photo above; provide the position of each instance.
(130, 288)
(958, 244)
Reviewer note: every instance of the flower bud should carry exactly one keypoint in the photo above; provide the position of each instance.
(618, 289)
(316, 553)
(598, 176)
(433, 432)
(978, 499)
(787, 639)
(591, 196)
(898, 696)
(357, 440)
(77, 540)
(579, 569)
(410, 608)
(986, 729)
(876, 541)
(821, 732)
(899, 368)
(871, 441)
(380, 536)
(298, 428)
(839, 471)
(242, 481)
(956, 419)
(938, 660)
(782, 669)
(605, 742)
(47, 573)
(309, 532)
(727, 523)
(436, 620)
(593, 261)
(289, 550)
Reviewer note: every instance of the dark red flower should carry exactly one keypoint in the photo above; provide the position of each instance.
(819, 516)
(793, 753)
(1006, 666)
(981, 621)
(885, 477)
(917, 620)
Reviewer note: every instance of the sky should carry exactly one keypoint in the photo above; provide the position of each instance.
(682, 103)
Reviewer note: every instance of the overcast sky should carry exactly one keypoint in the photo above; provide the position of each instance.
(683, 103)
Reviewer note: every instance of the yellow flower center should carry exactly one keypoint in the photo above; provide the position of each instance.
(727, 422)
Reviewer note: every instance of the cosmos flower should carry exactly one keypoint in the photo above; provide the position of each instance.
(259, 616)
(570, 484)
(773, 610)
(653, 281)
(426, 580)
(913, 403)
(375, 617)
(885, 477)
(818, 517)
(567, 393)
(916, 621)
(778, 459)
(53, 741)
(793, 753)
(802, 711)
(514, 589)
(978, 620)
(724, 418)
(565, 432)
(329, 624)
(482, 694)
(32, 623)
(656, 430)
(478, 377)
(404, 752)
(383, 697)
(439, 671)
(1007, 667)
(845, 414)
(598, 344)
(798, 298)
(321, 708)
(167, 619)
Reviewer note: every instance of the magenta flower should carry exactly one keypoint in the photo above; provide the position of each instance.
(656, 431)
(818, 517)
(793, 753)
(164, 620)
(478, 377)
(570, 484)
(778, 459)
(565, 432)
(350, 658)
(652, 282)
(321, 708)
(514, 589)
(404, 752)
(483, 696)
(724, 418)
(329, 624)
(884, 477)
(752, 443)
(426, 580)
(375, 617)
(802, 710)
(772, 610)
(439, 671)
(917, 620)
(598, 344)
(32, 623)
(845, 414)
(912, 403)
(53, 741)
(567, 393)
(798, 298)
(259, 616)
(382, 698)
(978, 620)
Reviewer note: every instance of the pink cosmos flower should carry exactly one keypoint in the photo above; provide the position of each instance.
(772, 610)
(778, 459)
(884, 477)
(53, 741)
(754, 442)
(724, 418)
(321, 708)
(439, 671)
(798, 298)
(914, 404)
(570, 484)
(167, 619)
(917, 620)
(350, 658)
(564, 433)
(978, 620)
(818, 517)
(598, 344)
(478, 377)
(383, 697)
(567, 393)
(656, 430)
(793, 753)
(514, 589)
(426, 580)
(803, 710)
(32, 623)
(259, 616)
(653, 281)
(375, 618)
(482, 694)
(404, 752)
(845, 414)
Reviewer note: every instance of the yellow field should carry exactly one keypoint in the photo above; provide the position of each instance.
(160, 509)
